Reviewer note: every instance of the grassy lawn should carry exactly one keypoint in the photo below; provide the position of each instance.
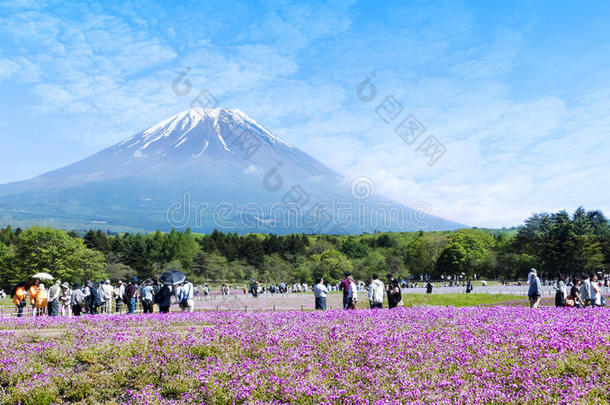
(458, 300)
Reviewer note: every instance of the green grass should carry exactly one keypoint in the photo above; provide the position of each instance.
(458, 300)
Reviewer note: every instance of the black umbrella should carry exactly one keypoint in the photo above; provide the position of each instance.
(173, 277)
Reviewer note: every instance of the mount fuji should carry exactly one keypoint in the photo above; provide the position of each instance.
(206, 169)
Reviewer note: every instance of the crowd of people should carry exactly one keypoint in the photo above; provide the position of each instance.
(579, 291)
(376, 292)
(102, 297)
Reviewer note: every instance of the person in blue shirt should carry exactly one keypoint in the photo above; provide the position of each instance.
(147, 297)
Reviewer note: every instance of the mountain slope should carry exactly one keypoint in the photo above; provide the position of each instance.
(205, 169)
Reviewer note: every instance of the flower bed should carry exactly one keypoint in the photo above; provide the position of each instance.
(423, 355)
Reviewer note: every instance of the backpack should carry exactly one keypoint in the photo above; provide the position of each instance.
(80, 299)
(376, 293)
(125, 299)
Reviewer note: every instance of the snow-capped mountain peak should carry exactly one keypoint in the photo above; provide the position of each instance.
(198, 130)
(208, 157)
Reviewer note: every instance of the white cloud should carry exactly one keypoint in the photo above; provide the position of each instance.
(296, 69)
(252, 169)
(7, 68)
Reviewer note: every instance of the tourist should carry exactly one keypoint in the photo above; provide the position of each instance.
(100, 302)
(560, 294)
(131, 295)
(77, 300)
(206, 290)
(140, 295)
(254, 289)
(186, 297)
(156, 288)
(54, 293)
(469, 286)
(42, 299)
(535, 290)
(531, 275)
(376, 292)
(65, 299)
(93, 299)
(147, 293)
(352, 293)
(429, 287)
(164, 299)
(87, 294)
(33, 290)
(596, 297)
(19, 298)
(344, 286)
(393, 292)
(108, 291)
(319, 292)
(585, 290)
(118, 294)
(575, 293)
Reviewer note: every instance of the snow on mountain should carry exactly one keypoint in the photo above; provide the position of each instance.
(201, 127)
(197, 158)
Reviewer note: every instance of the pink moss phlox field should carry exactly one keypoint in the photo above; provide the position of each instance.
(421, 355)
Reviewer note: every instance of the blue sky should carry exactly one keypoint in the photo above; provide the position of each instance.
(517, 92)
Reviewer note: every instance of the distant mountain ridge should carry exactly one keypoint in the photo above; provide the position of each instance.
(206, 169)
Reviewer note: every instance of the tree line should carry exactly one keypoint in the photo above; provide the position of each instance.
(555, 244)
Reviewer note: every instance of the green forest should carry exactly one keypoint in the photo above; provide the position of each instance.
(559, 243)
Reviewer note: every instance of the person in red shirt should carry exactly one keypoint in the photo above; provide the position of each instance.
(344, 286)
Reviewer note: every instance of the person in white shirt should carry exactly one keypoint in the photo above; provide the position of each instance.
(118, 294)
(108, 290)
(54, 293)
(376, 292)
(319, 292)
(65, 299)
(596, 297)
(186, 296)
(352, 293)
(531, 275)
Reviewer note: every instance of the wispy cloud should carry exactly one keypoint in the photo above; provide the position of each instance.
(93, 74)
